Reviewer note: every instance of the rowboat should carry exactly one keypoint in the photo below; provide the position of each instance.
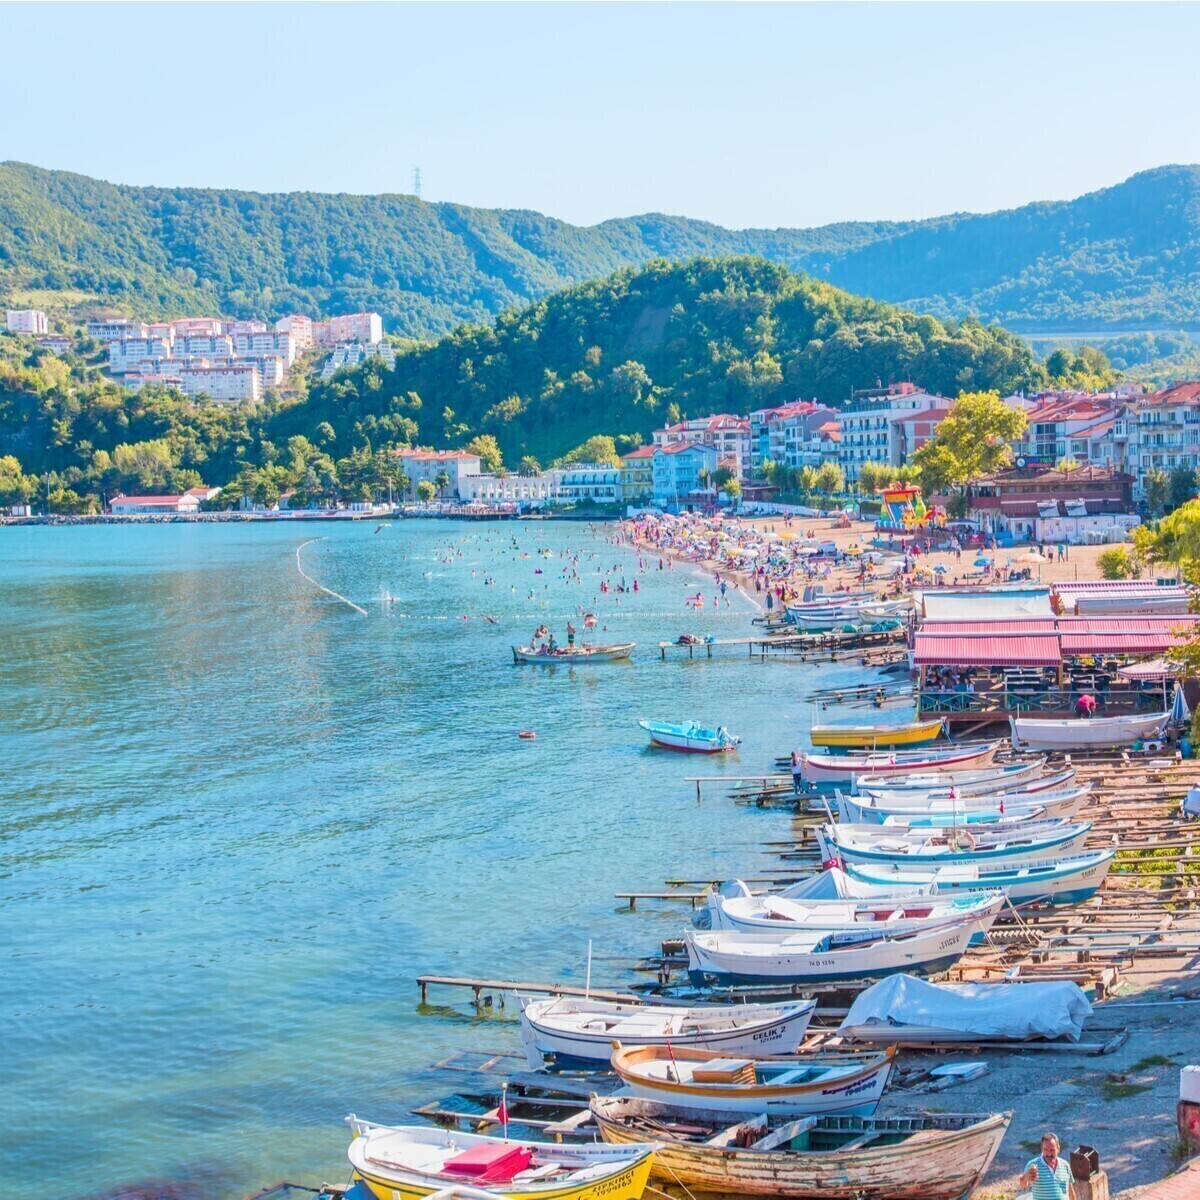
(925, 1156)
(941, 783)
(918, 809)
(825, 600)
(576, 1029)
(405, 1162)
(1074, 733)
(933, 846)
(576, 654)
(691, 737)
(776, 913)
(873, 736)
(801, 1085)
(729, 956)
(1058, 879)
(842, 768)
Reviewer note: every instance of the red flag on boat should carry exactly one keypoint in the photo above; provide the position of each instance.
(502, 1111)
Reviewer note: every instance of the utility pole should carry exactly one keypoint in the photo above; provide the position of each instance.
(417, 182)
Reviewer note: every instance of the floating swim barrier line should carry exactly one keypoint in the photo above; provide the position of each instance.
(327, 591)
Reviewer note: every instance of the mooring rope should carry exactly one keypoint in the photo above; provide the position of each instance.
(327, 591)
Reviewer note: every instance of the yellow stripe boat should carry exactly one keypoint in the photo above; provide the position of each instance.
(869, 737)
(411, 1162)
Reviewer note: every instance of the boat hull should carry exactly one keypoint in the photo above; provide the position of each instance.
(777, 1035)
(1049, 880)
(872, 737)
(1029, 733)
(990, 779)
(824, 768)
(691, 740)
(1070, 840)
(855, 1092)
(759, 959)
(523, 655)
(945, 1165)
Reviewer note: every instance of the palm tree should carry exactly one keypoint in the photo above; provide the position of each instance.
(441, 481)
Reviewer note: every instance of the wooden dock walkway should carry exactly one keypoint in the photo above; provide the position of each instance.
(806, 647)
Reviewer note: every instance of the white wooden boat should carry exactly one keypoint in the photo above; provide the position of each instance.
(966, 810)
(775, 913)
(842, 768)
(1055, 879)
(933, 846)
(924, 1156)
(802, 1085)
(578, 654)
(572, 1029)
(729, 956)
(942, 783)
(1079, 733)
(407, 1162)
(697, 739)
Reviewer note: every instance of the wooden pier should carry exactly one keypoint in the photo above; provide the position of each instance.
(804, 647)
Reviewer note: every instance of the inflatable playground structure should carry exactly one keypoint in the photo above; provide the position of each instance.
(904, 511)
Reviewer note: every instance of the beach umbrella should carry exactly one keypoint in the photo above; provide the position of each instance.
(1031, 556)
(940, 569)
(1180, 711)
(982, 562)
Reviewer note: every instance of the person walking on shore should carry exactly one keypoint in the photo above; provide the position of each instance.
(797, 773)
(1048, 1174)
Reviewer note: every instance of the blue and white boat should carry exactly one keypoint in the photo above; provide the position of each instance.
(697, 739)
(1067, 879)
(916, 809)
(929, 847)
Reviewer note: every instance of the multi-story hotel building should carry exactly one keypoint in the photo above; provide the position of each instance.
(28, 320)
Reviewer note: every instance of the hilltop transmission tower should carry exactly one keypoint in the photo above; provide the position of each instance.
(417, 182)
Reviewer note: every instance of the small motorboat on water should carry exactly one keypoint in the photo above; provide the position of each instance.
(845, 768)
(922, 1156)
(407, 1162)
(577, 1029)
(962, 783)
(850, 1084)
(874, 737)
(925, 808)
(543, 656)
(698, 739)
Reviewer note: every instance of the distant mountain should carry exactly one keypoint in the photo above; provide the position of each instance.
(1127, 256)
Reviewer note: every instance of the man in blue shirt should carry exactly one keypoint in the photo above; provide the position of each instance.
(1049, 1175)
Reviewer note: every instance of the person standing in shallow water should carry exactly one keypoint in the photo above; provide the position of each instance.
(1049, 1175)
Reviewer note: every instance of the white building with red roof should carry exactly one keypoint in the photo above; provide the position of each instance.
(139, 506)
(1160, 431)
(867, 424)
(1066, 425)
(727, 434)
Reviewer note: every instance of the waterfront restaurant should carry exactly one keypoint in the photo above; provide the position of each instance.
(990, 656)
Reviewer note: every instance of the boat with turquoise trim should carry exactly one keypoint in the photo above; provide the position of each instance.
(696, 739)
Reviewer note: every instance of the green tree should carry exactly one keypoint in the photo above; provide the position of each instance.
(974, 439)
(600, 448)
(1117, 563)
(1157, 485)
(488, 449)
(425, 491)
(266, 493)
(529, 467)
(67, 502)
(872, 476)
(1182, 486)
(733, 489)
(831, 479)
(15, 486)
(442, 481)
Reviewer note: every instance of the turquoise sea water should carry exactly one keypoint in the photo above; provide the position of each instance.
(239, 819)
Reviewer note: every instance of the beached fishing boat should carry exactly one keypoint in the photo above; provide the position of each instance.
(924, 809)
(776, 912)
(577, 654)
(967, 784)
(844, 768)
(924, 1156)
(801, 1085)
(1056, 879)
(731, 956)
(933, 846)
(407, 1162)
(871, 737)
(697, 739)
(573, 1029)
(1080, 733)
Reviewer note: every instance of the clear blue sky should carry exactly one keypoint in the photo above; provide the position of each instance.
(742, 114)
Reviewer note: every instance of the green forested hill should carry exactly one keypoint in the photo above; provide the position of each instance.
(616, 356)
(1125, 256)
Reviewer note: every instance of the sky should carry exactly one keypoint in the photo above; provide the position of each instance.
(745, 115)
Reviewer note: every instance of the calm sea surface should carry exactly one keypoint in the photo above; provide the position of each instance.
(239, 819)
